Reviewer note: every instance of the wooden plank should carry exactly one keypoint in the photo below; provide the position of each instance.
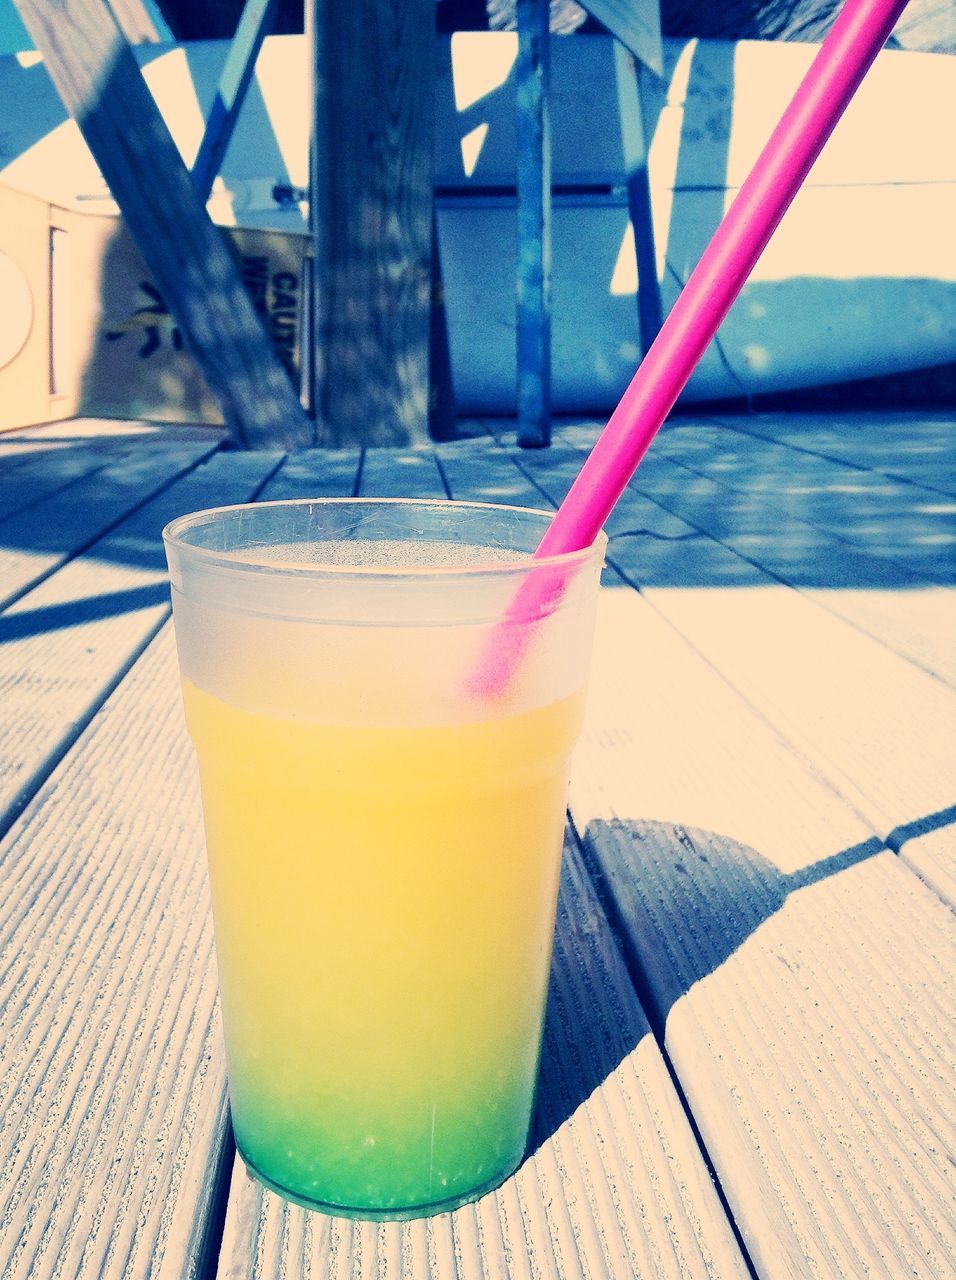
(878, 728)
(927, 847)
(27, 479)
(799, 974)
(315, 473)
(401, 473)
(113, 1122)
(22, 446)
(760, 911)
(194, 269)
(533, 164)
(882, 596)
(65, 644)
(26, 456)
(917, 447)
(888, 518)
(875, 482)
(474, 86)
(872, 1126)
(481, 471)
(731, 867)
(371, 213)
(107, 433)
(35, 541)
(614, 1185)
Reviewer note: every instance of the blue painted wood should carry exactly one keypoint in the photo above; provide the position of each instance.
(254, 25)
(650, 313)
(442, 424)
(636, 24)
(532, 74)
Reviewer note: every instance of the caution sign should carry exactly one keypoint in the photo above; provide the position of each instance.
(136, 362)
(277, 296)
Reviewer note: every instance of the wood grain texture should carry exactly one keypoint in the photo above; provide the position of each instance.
(887, 596)
(65, 644)
(315, 473)
(27, 479)
(112, 1126)
(135, 21)
(532, 76)
(614, 1186)
(101, 86)
(890, 518)
(401, 473)
(798, 971)
(372, 197)
(930, 854)
(757, 782)
(881, 730)
(36, 540)
(884, 442)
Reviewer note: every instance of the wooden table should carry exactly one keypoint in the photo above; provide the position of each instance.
(749, 1052)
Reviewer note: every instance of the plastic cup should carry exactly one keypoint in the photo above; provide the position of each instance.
(384, 845)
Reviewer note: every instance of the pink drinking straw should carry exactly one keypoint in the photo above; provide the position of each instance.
(857, 35)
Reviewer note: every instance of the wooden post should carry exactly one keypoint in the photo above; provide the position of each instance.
(102, 88)
(371, 202)
(532, 75)
(650, 312)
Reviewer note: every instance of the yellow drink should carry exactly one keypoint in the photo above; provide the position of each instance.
(384, 829)
(384, 904)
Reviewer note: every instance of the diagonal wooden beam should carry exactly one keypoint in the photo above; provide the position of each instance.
(135, 21)
(255, 23)
(636, 23)
(101, 86)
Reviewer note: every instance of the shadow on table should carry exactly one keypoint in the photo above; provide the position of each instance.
(680, 901)
(70, 499)
(713, 507)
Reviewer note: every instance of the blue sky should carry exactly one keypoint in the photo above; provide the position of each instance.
(13, 37)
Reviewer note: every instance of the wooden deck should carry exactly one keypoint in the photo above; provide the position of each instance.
(749, 1053)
